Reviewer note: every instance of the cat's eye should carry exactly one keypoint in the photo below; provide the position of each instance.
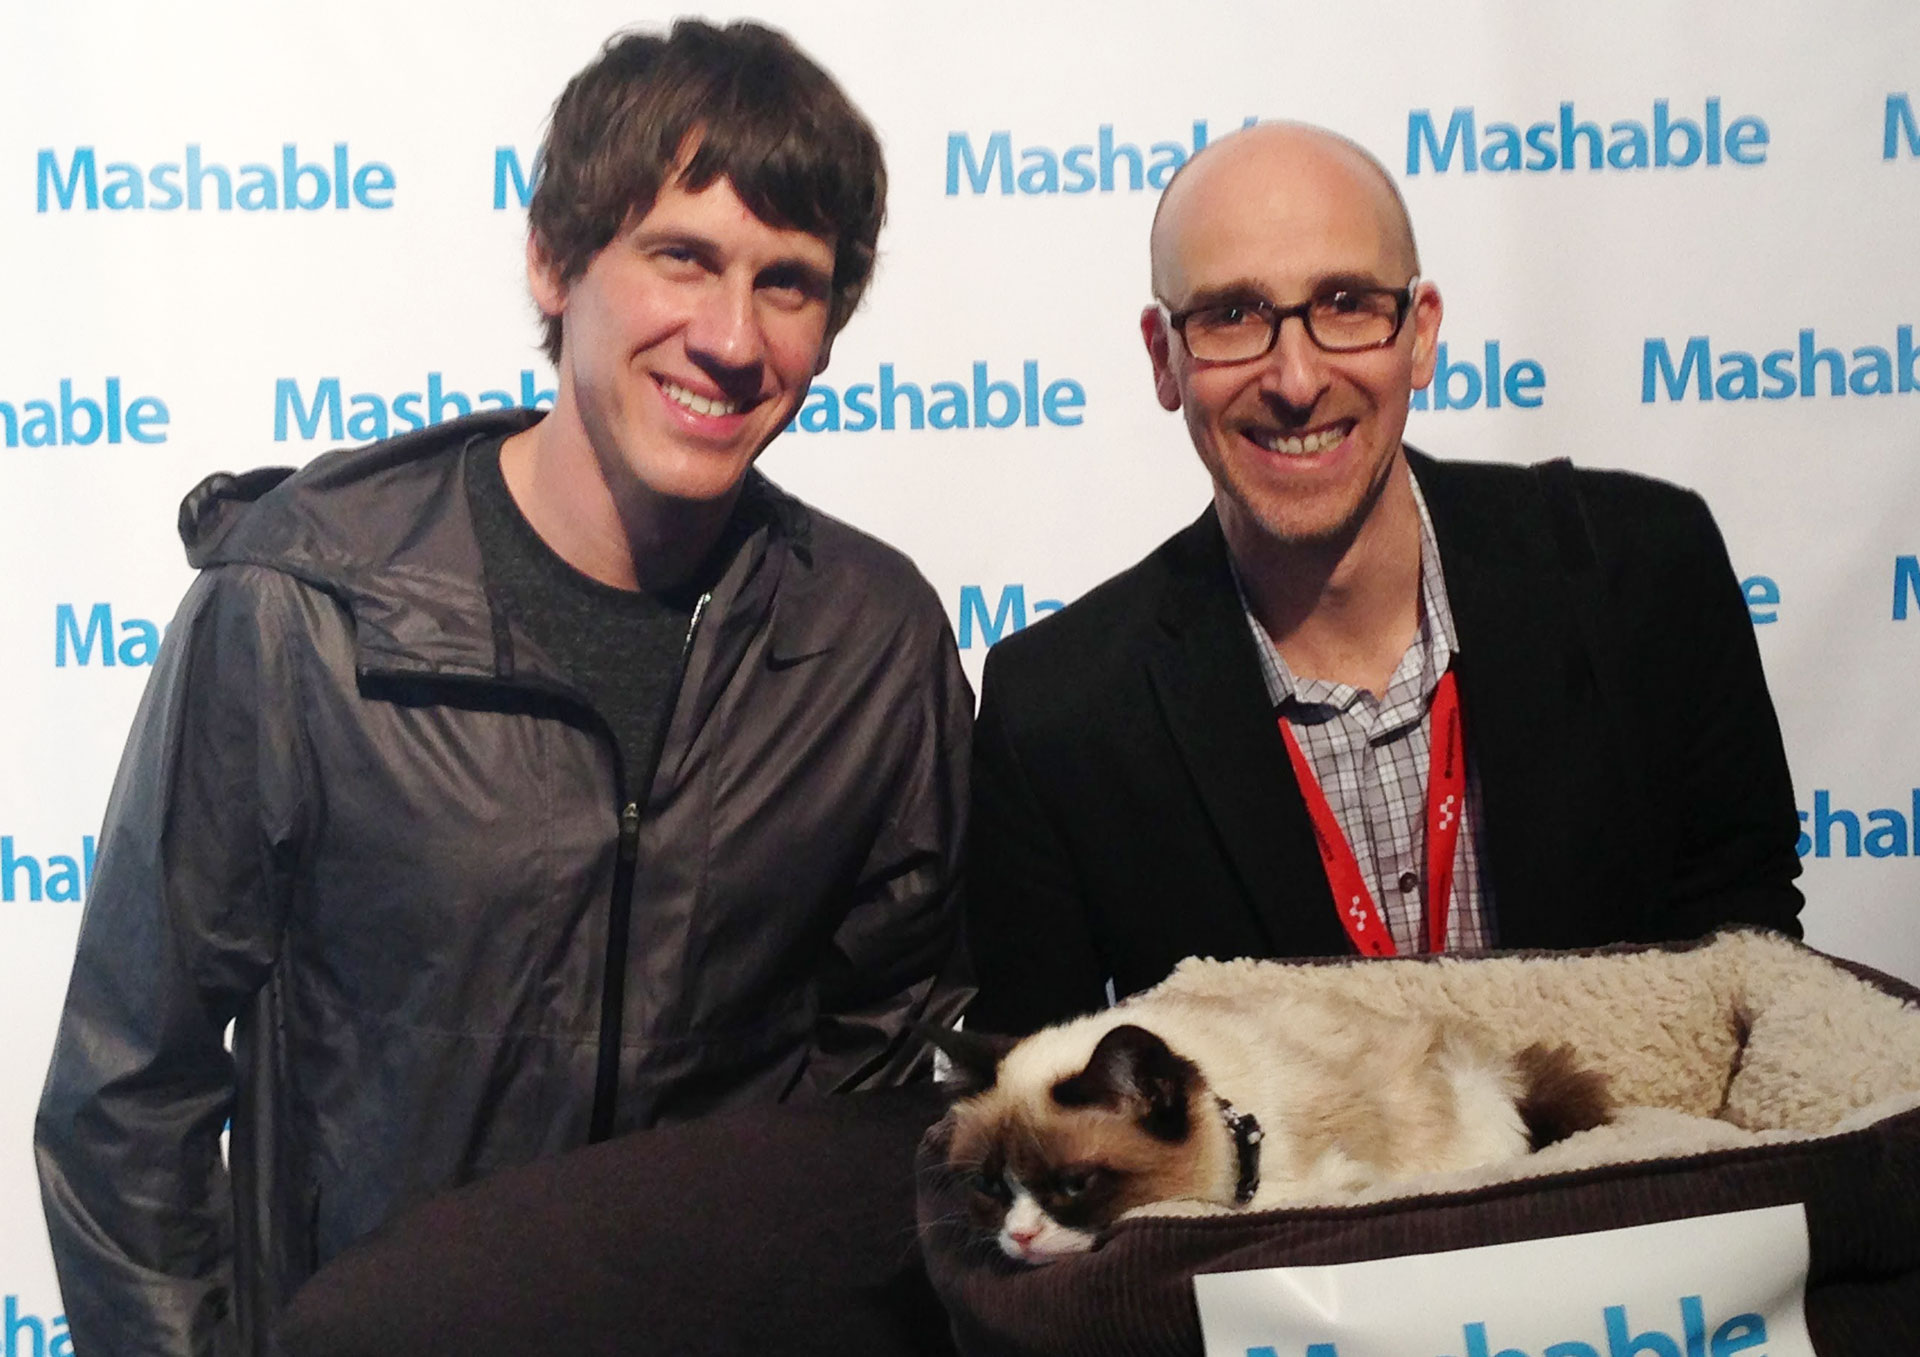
(1073, 1184)
(991, 1185)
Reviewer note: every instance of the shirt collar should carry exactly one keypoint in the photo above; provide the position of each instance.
(1418, 673)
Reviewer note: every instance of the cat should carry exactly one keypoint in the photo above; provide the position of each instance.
(1237, 1102)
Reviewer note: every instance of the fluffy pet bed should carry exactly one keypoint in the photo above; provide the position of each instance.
(1752, 1070)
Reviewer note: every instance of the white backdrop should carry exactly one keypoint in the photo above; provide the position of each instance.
(150, 344)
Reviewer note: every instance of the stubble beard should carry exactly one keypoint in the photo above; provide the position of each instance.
(1280, 531)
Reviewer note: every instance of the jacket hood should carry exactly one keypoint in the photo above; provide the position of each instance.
(387, 530)
(384, 528)
(271, 516)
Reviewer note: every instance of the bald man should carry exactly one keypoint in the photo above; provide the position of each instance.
(1369, 702)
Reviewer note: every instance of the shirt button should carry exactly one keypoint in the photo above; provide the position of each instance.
(1407, 883)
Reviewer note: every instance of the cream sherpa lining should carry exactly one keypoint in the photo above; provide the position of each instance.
(1745, 1040)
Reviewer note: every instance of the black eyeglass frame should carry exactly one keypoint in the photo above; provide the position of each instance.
(1403, 298)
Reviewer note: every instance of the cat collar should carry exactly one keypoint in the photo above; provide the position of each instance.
(1244, 1127)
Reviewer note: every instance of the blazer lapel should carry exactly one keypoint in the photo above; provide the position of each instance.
(1518, 659)
(1206, 676)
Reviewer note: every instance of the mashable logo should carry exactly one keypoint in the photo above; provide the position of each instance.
(1906, 585)
(1731, 1336)
(984, 402)
(133, 643)
(513, 178)
(36, 877)
(1883, 832)
(196, 184)
(1902, 129)
(82, 420)
(1011, 612)
(1103, 165)
(32, 1336)
(1762, 593)
(1570, 142)
(363, 415)
(1806, 369)
(1461, 385)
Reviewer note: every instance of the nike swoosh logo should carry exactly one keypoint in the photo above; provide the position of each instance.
(781, 663)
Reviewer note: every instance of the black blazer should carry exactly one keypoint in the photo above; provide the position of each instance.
(1133, 803)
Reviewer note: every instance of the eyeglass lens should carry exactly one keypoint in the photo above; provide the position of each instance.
(1341, 321)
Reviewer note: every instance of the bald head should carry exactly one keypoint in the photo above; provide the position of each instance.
(1281, 164)
(1255, 235)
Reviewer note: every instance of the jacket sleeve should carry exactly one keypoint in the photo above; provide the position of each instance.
(898, 958)
(1035, 956)
(1730, 793)
(180, 926)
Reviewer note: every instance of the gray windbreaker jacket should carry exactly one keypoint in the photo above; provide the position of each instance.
(365, 818)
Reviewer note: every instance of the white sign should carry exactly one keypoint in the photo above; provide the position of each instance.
(1709, 1286)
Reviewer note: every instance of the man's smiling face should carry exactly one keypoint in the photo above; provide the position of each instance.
(690, 339)
(1299, 442)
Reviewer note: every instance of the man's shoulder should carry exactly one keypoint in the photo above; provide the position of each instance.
(346, 508)
(1118, 617)
(836, 555)
(846, 589)
(1638, 502)
(1625, 510)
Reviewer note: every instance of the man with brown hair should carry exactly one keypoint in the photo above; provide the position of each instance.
(521, 780)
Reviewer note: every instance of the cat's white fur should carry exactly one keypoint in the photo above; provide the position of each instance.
(1347, 1096)
(1030, 1234)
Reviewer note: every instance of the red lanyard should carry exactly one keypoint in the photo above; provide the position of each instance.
(1446, 798)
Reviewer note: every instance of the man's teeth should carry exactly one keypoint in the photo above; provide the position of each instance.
(699, 404)
(1305, 445)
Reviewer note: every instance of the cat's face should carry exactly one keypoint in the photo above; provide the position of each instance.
(1037, 1209)
(1051, 1163)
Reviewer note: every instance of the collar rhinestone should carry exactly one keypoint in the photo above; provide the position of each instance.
(1244, 1127)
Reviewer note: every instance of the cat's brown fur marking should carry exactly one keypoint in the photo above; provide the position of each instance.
(1560, 1096)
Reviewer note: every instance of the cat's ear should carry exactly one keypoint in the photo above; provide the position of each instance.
(1134, 1072)
(975, 1055)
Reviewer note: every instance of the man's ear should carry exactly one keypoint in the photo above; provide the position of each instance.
(1427, 310)
(543, 278)
(826, 355)
(1153, 329)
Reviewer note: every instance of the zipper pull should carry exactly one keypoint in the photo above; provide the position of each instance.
(693, 623)
(630, 832)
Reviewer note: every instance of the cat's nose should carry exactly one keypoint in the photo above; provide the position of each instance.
(1023, 1237)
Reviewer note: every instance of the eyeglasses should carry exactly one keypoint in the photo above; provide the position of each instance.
(1344, 320)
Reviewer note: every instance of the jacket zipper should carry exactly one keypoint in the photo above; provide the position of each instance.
(613, 985)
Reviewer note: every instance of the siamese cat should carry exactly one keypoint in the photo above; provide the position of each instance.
(1248, 1102)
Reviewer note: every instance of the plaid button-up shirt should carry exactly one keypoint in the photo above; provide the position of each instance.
(1370, 755)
